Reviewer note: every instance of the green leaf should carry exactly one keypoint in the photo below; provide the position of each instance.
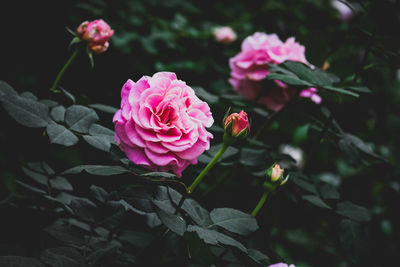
(39, 178)
(196, 212)
(341, 90)
(102, 170)
(31, 188)
(295, 178)
(206, 96)
(97, 129)
(28, 95)
(174, 222)
(99, 193)
(159, 175)
(258, 256)
(80, 118)
(234, 221)
(304, 72)
(362, 89)
(58, 113)
(252, 156)
(68, 95)
(288, 79)
(62, 256)
(353, 211)
(58, 134)
(26, 111)
(104, 108)
(327, 191)
(6, 89)
(60, 183)
(137, 239)
(214, 238)
(317, 201)
(66, 233)
(84, 209)
(100, 142)
(18, 261)
(198, 250)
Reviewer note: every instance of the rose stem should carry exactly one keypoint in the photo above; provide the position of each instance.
(260, 203)
(207, 168)
(60, 74)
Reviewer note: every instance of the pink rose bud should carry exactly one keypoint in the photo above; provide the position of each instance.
(275, 175)
(237, 125)
(96, 33)
(224, 35)
(161, 124)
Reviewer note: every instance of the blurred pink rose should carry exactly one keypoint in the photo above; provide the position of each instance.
(250, 67)
(162, 123)
(281, 264)
(240, 122)
(96, 33)
(345, 12)
(225, 35)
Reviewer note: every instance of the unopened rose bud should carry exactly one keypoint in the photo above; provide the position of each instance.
(96, 33)
(275, 175)
(277, 172)
(224, 35)
(237, 125)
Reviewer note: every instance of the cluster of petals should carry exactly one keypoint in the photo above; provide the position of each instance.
(224, 35)
(162, 123)
(251, 66)
(96, 33)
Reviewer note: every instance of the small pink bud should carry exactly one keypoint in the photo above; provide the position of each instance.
(96, 33)
(239, 122)
(224, 35)
(277, 172)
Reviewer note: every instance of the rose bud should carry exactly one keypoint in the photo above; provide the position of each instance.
(224, 35)
(237, 125)
(275, 175)
(96, 33)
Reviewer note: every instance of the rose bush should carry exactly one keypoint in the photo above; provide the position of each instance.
(162, 123)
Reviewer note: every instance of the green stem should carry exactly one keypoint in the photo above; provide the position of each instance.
(260, 203)
(207, 168)
(64, 68)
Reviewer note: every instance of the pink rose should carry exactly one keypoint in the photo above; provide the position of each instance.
(250, 67)
(225, 35)
(162, 123)
(281, 264)
(96, 33)
(240, 123)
